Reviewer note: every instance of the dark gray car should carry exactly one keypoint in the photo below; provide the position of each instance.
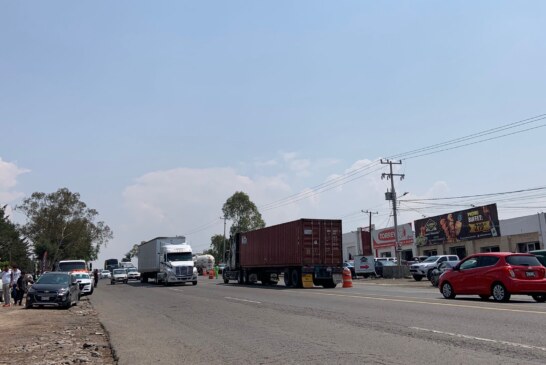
(59, 289)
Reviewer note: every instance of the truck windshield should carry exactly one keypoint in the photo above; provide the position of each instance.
(179, 256)
(72, 266)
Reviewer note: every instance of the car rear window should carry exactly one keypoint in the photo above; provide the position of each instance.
(522, 260)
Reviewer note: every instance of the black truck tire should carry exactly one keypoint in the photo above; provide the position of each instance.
(295, 278)
(287, 280)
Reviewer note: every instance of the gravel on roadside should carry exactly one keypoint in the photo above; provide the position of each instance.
(51, 336)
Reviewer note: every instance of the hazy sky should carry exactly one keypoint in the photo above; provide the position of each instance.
(157, 112)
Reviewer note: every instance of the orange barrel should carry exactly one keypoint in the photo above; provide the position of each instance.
(347, 278)
(211, 274)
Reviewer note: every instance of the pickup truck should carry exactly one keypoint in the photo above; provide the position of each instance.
(424, 269)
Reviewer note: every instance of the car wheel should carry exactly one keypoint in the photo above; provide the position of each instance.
(68, 302)
(194, 282)
(499, 292)
(226, 281)
(28, 304)
(447, 291)
(429, 274)
(485, 297)
(539, 298)
(417, 277)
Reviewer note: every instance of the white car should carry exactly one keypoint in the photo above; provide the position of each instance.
(133, 274)
(105, 274)
(119, 275)
(425, 268)
(85, 281)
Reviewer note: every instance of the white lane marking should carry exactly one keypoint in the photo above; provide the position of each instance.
(243, 300)
(177, 290)
(318, 292)
(514, 344)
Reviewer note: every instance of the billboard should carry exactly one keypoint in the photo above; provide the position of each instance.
(386, 237)
(463, 225)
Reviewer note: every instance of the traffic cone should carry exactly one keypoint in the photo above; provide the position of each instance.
(347, 278)
(211, 274)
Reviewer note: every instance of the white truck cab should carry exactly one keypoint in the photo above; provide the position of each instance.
(167, 260)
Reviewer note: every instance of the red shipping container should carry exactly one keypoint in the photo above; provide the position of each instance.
(305, 242)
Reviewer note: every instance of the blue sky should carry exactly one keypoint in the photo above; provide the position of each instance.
(156, 113)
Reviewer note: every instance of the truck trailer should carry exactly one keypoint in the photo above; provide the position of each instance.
(295, 250)
(167, 260)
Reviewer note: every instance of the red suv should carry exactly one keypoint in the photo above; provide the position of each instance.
(497, 274)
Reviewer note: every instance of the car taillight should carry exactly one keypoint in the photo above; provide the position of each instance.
(511, 272)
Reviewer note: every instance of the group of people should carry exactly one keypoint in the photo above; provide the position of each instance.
(14, 285)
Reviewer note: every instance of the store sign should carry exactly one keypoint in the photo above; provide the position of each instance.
(364, 265)
(464, 225)
(387, 238)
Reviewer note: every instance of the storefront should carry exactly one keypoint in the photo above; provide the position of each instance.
(384, 242)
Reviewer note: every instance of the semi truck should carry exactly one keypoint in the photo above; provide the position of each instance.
(297, 250)
(167, 260)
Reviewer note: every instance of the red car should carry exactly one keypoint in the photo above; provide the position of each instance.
(497, 274)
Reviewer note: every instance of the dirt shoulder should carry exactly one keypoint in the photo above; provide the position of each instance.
(48, 336)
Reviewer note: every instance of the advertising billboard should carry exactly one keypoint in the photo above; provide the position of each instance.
(386, 237)
(463, 225)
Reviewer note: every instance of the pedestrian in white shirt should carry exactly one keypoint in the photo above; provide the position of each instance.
(6, 283)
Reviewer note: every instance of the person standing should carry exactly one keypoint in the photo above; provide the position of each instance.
(15, 275)
(20, 285)
(6, 283)
(95, 277)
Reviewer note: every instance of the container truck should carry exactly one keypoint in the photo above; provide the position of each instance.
(167, 260)
(293, 249)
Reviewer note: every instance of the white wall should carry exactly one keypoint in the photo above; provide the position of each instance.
(525, 224)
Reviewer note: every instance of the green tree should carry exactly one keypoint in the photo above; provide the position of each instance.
(13, 248)
(243, 213)
(62, 226)
(217, 246)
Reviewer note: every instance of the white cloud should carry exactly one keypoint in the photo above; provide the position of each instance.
(8, 180)
(189, 201)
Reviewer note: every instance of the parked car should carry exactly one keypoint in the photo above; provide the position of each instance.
(424, 269)
(133, 274)
(351, 268)
(119, 276)
(393, 259)
(416, 260)
(59, 289)
(442, 267)
(498, 274)
(541, 256)
(105, 274)
(86, 282)
(380, 264)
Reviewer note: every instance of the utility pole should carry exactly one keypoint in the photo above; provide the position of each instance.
(392, 196)
(370, 226)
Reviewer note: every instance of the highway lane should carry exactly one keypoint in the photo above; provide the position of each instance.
(215, 323)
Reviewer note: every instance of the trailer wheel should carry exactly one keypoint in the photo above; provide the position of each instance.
(287, 281)
(295, 278)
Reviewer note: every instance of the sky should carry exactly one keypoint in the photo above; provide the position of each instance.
(157, 112)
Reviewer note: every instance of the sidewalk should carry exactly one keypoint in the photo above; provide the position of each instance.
(407, 282)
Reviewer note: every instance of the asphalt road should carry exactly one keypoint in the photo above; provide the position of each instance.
(375, 322)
